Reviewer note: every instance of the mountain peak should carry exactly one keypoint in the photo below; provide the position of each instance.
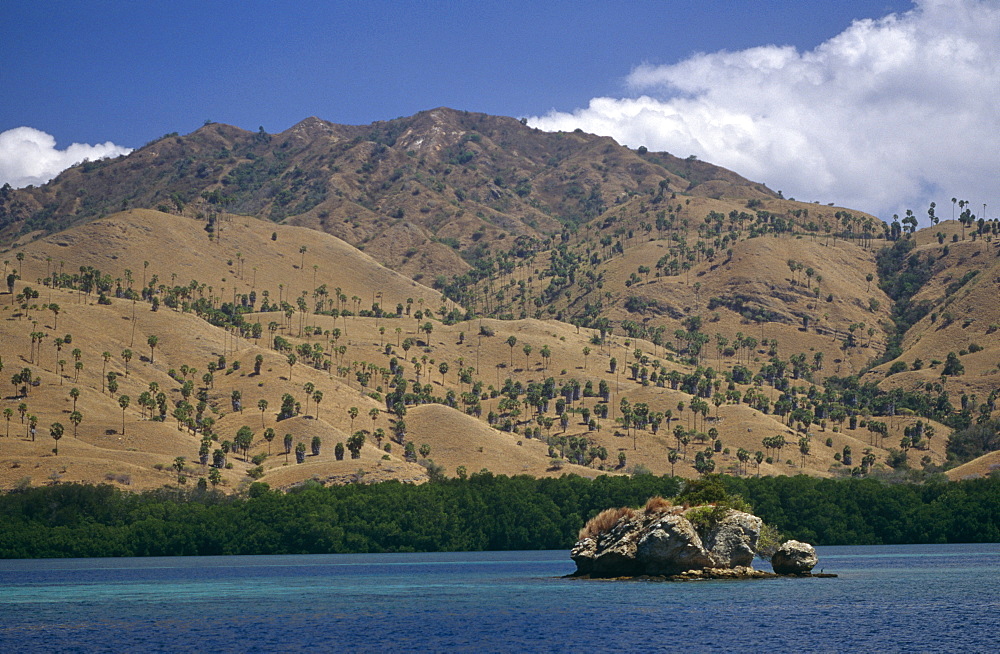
(310, 128)
(441, 168)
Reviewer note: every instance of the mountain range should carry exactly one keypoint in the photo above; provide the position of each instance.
(519, 267)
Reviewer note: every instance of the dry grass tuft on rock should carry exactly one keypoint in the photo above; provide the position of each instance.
(657, 504)
(604, 521)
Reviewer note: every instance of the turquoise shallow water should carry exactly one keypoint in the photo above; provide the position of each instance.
(905, 598)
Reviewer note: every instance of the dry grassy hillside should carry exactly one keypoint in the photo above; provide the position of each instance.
(243, 258)
(758, 279)
(458, 440)
(963, 317)
(738, 425)
(353, 369)
(984, 466)
(177, 251)
(952, 349)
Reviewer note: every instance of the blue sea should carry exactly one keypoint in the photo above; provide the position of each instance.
(940, 598)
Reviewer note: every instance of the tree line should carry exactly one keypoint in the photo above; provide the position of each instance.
(479, 512)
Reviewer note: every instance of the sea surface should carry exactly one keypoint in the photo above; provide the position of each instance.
(941, 598)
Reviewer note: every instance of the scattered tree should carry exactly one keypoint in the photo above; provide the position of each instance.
(56, 431)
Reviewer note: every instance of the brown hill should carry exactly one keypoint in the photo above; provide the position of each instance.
(961, 318)
(247, 255)
(456, 439)
(178, 250)
(756, 281)
(983, 466)
(671, 281)
(416, 192)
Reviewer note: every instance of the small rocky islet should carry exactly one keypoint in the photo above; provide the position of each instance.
(678, 542)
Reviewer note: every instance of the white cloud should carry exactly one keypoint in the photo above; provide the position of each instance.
(29, 156)
(891, 113)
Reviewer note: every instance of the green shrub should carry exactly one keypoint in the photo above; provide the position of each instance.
(897, 367)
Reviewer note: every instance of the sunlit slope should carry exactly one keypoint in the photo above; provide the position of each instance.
(246, 255)
(755, 293)
(961, 317)
(144, 453)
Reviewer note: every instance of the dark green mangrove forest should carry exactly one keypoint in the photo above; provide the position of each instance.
(482, 512)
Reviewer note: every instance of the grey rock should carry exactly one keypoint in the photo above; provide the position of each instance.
(669, 546)
(666, 543)
(733, 542)
(615, 552)
(583, 554)
(794, 557)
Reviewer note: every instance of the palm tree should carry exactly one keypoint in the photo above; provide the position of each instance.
(123, 402)
(58, 343)
(8, 413)
(353, 412)
(36, 337)
(743, 456)
(76, 418)
(317, 398)
(152, 341)
(262, 405)
(511, 342)
(126, 356)
(107, 357)
(962, 218)
(56, 431)
(244, 439)
(308, 387)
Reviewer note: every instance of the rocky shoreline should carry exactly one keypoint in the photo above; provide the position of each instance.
(708, 574)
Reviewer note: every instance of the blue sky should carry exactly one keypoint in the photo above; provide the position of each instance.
(119, 74)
